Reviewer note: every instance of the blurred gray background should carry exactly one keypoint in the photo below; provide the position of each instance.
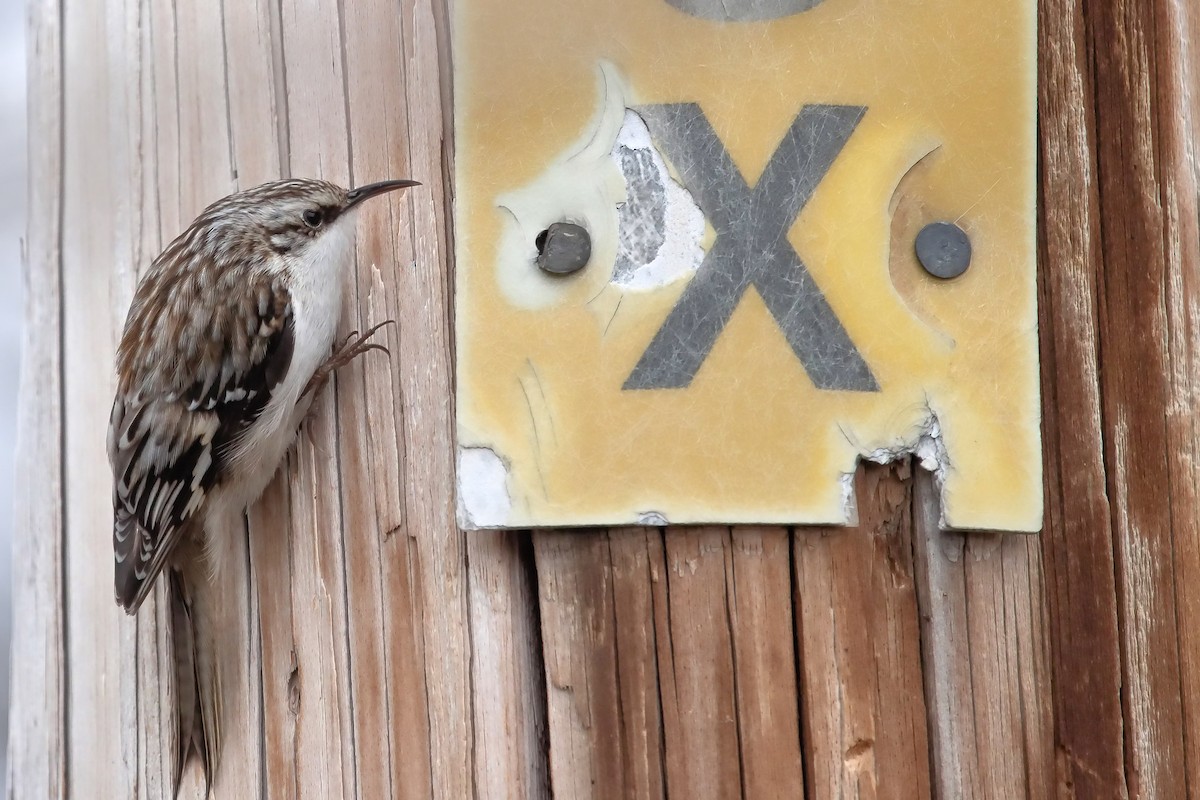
(12, 230)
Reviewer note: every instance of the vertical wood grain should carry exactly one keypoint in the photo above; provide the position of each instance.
(634, 576)
(764, 654)
(670, 663)
(508, 687)
(37, 751)
(576, 598)
(425, 295)
(1149, 480)
(1118, 298)
(859, 634)
(599, 622)
(1076, 540)
(1182, 248)
(696, 663)
(102, 144)
(986, 667)
(387, 642)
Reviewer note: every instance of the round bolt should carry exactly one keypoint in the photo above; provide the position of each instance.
(563, 248)
(944, 250)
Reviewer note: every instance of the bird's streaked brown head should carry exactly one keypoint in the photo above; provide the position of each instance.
(293, 212)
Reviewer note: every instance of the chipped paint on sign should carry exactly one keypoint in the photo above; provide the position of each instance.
(660, 227)
(752, 319)
(483, 497)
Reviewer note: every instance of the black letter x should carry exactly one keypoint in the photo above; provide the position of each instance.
(751, 248)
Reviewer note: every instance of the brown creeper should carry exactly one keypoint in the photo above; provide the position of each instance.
(226, 343)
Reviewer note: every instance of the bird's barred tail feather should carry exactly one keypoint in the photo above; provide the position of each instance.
(197, 677)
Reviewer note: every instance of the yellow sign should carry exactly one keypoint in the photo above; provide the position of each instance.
(711, 253)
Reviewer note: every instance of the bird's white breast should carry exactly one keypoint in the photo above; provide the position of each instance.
(315, 280)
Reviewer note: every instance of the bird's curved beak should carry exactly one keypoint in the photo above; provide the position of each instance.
(356, 196)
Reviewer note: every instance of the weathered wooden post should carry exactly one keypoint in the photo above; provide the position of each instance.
(388, 654)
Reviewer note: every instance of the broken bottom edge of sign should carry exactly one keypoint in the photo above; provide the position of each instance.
(485, 501)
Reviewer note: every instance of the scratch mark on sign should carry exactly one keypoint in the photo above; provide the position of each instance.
(537, 439)
(978, 200)
(545, 403)
(614, 316)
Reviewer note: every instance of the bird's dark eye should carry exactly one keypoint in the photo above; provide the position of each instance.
(313, 218)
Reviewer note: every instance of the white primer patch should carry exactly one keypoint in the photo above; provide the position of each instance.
(483, 497)
(652, 518)
(679, 254)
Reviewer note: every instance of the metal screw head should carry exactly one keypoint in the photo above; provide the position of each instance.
(943, 250)
(563, 248)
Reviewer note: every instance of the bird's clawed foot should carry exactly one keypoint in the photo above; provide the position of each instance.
(354, 346)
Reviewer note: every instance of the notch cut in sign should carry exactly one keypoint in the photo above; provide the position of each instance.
(752, 248)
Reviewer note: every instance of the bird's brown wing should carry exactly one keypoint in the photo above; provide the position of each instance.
(168, 444)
